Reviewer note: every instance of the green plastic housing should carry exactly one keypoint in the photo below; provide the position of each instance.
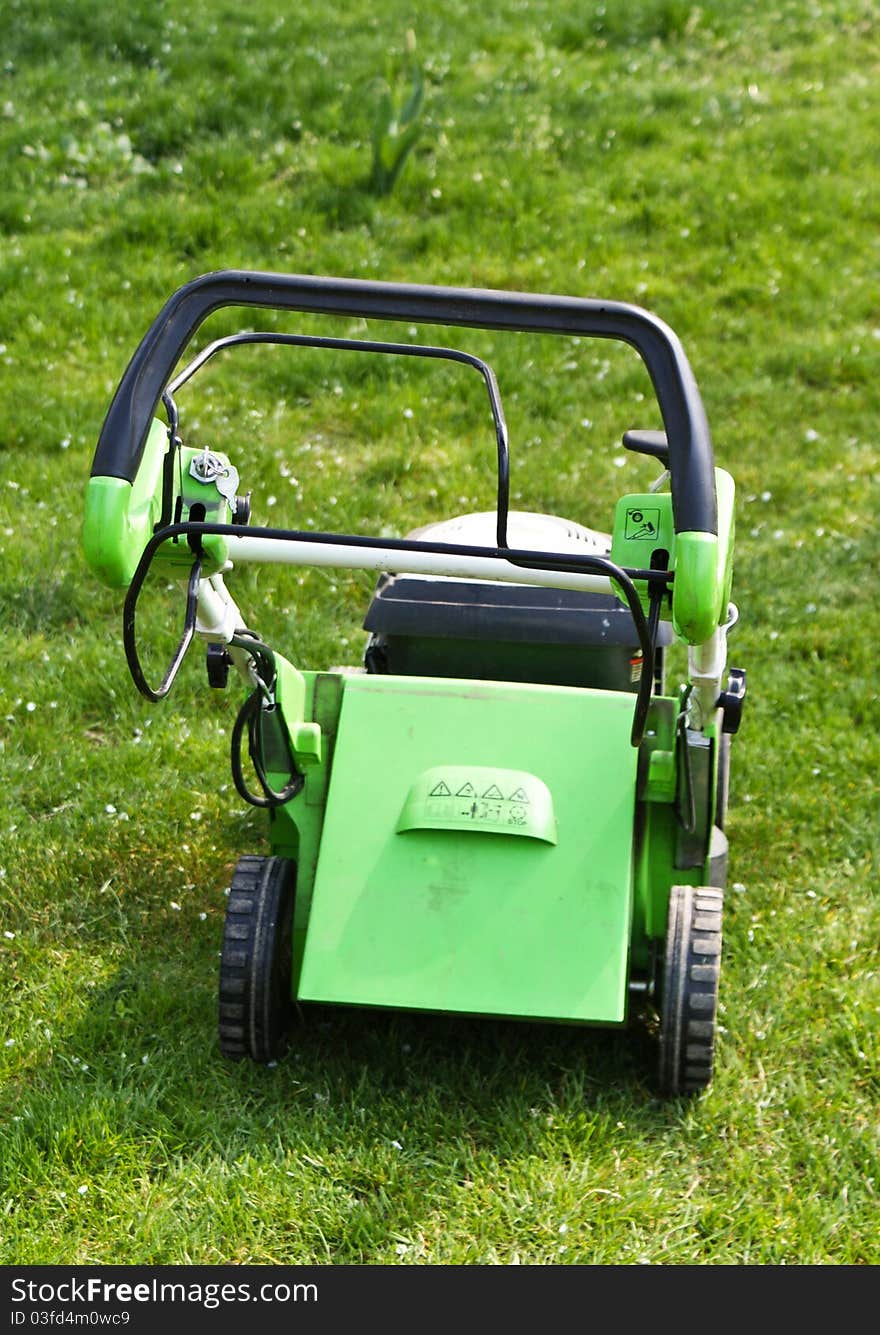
(528, 872)
(701, 562)
(121, 517)
(436, 884)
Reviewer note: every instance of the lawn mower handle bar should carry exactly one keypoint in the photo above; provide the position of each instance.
(364, 345)
(691, 465)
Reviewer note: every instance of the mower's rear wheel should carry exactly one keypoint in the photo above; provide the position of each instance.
(689, 989)
(255, 964)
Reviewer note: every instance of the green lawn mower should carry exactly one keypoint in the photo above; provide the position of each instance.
(504, 811)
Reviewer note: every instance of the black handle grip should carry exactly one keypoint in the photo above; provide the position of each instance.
(121, 443)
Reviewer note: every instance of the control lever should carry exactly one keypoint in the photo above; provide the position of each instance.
(653, 443)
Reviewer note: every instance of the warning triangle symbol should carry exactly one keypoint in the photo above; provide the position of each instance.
(440, 790)
(494, 793)
(467, 790)
(519, 795)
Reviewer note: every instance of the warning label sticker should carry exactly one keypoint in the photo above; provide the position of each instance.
(480, 797)
(642, 525)
(491, 807)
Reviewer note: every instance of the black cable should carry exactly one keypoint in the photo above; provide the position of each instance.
(250, 717)
(256, 714)
(258, 649)
(129, 637)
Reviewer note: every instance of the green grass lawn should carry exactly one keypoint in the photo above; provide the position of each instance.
(716, 164)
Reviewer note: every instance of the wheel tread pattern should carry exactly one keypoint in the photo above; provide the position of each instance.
(689, 992)
(251, 1014)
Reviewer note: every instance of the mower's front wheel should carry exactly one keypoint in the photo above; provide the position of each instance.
(255, 964)
(689, 989)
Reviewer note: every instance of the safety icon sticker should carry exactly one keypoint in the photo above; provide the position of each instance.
(642, 525)
(479, 797)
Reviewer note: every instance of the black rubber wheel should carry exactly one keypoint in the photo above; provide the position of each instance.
(255, 965)
(689, 989)
(722, 783)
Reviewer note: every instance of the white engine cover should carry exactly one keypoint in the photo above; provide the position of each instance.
(525, 530)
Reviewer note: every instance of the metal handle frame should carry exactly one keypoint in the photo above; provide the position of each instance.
(123, 435)
(368, 345)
